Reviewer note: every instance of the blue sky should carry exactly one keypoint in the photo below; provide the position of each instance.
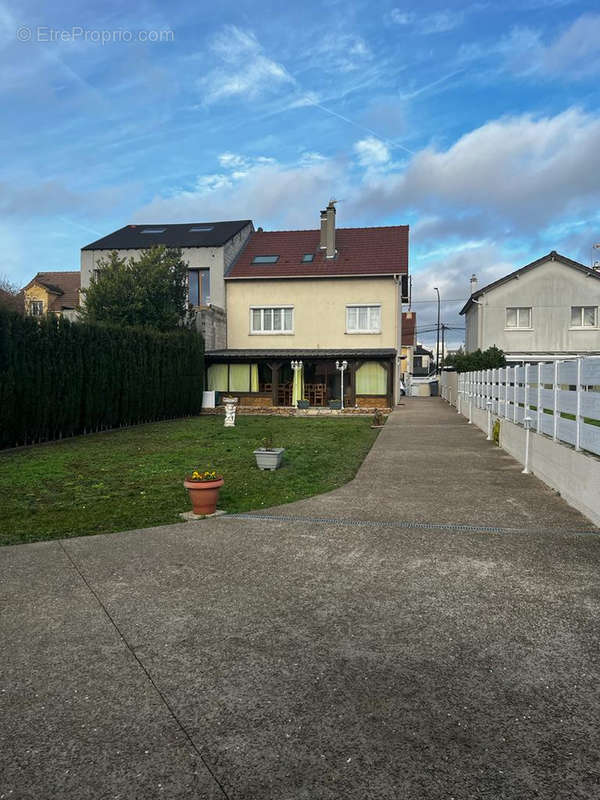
(476, 123)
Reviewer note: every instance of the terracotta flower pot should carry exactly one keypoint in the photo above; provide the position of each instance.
(204, 495)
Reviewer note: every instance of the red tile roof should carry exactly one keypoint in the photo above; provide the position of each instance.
(409, 324)
(63, 285)
(360, 251)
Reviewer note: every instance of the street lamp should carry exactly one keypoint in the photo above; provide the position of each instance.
(437, 351)
(341, 366)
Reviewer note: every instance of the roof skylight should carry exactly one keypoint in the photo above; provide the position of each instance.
(308, 257)
(201, 228)
(153, 230)
(265, 259)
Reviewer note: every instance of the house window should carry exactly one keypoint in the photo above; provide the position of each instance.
(199, 287)
(272, 319)
(518, 317)
(233, 377)
(371, 378)
(36, 308)
(584, 316)
(363, 319)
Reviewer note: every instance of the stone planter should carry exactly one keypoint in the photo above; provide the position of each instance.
(269, 459)
(204, 495)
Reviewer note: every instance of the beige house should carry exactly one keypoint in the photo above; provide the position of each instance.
(53, 293)
(302, 304)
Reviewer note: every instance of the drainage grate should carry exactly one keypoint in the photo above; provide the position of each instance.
(358, 523)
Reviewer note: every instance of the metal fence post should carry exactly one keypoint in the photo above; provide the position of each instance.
(471, 400)
(506, 382)
(515, 396)
(555, 396)
(526, 392)
(538, 426)
(578, 412)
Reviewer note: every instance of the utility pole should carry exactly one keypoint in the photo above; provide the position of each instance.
(437, 347)
(443, 331)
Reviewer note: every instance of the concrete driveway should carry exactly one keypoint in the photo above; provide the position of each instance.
(428, 631)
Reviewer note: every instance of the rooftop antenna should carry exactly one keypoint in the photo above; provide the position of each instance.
(595, 264)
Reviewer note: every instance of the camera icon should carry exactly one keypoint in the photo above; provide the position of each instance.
(24, 34)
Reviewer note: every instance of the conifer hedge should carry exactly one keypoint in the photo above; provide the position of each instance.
(61, 378)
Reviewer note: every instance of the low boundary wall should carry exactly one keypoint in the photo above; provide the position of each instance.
(574, 474)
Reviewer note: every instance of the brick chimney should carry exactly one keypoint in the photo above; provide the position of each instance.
(327, 242)
(473, 283)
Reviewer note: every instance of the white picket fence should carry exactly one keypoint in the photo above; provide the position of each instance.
(560, 399)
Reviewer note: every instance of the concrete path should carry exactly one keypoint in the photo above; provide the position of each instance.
(428, 631)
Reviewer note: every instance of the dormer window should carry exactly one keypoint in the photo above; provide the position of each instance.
(308, 257)
(265, 259)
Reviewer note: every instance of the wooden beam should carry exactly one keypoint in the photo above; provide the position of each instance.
(275, 367)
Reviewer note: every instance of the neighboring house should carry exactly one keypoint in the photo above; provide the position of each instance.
(315, 297)
(545, 310)
(423, 361)
(209, 248)
(53, 293)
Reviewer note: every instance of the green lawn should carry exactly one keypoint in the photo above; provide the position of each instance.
(133, 478)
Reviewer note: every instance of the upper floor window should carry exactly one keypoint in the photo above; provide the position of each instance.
(363, 319)
(584, 316)
(269, 319)
(36, 308)
(199, 293)
(518, 317)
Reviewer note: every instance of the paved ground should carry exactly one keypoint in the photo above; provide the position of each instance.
(294, 658)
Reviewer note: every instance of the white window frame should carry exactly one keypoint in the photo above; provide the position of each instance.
(262, 309)
(518, 326)
(37, 304)
(362, 331)
(582, 327)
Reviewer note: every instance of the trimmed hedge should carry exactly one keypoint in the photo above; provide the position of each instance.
(61, 378)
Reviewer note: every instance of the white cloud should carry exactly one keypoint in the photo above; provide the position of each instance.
(232, 160)
(272, 194)
(521, 172)
(436, 22)
(246, 71)
(573, 54)
(371, 151)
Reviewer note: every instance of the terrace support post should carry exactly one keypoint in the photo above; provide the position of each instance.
(389, 368)
(352, 367)
(578, 407)
(275, 367)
